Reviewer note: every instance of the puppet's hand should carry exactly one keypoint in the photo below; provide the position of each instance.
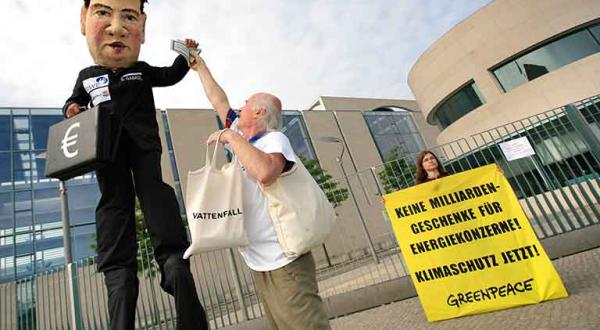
(194, 52)
(191, 43)
(72, 110)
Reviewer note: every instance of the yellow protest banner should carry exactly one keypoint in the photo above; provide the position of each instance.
(469, 246)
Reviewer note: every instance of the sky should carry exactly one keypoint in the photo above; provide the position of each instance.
(296, 49)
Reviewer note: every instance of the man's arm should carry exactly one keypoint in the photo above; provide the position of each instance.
(78, 98)
(215, 94)
(263, 167)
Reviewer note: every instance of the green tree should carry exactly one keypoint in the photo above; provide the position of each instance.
(397, 172)
(335, 194)
(145, 255)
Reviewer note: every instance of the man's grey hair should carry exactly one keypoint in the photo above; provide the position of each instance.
(272, 119)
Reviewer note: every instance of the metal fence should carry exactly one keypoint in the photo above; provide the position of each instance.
(558, 187)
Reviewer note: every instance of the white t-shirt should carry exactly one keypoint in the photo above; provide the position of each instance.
(264, 252)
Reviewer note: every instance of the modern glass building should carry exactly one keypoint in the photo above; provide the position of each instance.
(533, 77)
(31, 237)
(394, 129)
(482, 74)
(563, 156)
(293, 127)
(173, 162)
(30, 219)
(550, 55)
(457, 105)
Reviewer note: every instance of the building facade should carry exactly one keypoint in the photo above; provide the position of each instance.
(495, 73)
(31, 236)
(344, 135)
(30, 220)
(509, 60)
(517, 70)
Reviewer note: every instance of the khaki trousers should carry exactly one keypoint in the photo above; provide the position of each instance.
(290, 296)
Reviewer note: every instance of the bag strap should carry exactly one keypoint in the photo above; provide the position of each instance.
(213, 162)
(291, 171)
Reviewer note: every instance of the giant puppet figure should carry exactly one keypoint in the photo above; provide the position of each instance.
(122, 86)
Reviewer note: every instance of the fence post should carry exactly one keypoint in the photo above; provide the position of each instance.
(581, 126)
(360, 215)
(71, 269)
(380, 188)
(238, 284)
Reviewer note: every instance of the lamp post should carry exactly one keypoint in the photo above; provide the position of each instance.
(344, 144)
(339, 160)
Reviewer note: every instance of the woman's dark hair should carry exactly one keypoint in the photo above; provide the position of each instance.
(421, 175)
(86, 3)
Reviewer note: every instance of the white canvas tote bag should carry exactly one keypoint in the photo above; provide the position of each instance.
(301, 214)
(214, 206)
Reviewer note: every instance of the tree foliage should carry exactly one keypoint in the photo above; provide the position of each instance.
(145, 255)
(145, 264)
(336, 195)
(397, 172)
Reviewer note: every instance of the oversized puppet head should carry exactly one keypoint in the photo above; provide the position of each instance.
(114, 30)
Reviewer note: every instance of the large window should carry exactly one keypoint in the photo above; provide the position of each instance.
(561, 158)
(40, 125)
(394, 130)
(30, 220)
(4, 130)
(5, 171)
(173, 161)
(549, 57)
(595, 29)
(293, 127)
(461, 102)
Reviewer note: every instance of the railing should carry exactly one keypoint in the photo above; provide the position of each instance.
(558, 188)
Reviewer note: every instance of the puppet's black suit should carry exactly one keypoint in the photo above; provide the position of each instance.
(126, 94)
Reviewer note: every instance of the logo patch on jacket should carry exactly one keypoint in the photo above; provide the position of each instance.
(95, 82)
(97, 87)
(132, 76)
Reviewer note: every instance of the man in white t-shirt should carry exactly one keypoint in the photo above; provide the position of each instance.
(287, 285)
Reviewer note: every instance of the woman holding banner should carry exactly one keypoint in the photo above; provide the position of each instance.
(429, 167)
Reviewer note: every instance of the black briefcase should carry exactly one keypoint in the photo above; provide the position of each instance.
(79, 144)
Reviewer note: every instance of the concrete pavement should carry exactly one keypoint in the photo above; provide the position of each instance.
(581, 310)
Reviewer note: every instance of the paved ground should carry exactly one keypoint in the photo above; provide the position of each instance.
(581, 310)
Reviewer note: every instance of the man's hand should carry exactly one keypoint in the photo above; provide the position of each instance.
(196, 62)
(499, 168)
(72, 110)
(195, 58)
(224, 139)
(263, 167)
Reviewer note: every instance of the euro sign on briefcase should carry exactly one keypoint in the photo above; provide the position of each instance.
(79, 145)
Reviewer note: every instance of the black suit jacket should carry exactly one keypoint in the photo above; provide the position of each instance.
(127, 95)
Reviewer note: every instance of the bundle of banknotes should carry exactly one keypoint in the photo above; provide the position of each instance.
(180, 47)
